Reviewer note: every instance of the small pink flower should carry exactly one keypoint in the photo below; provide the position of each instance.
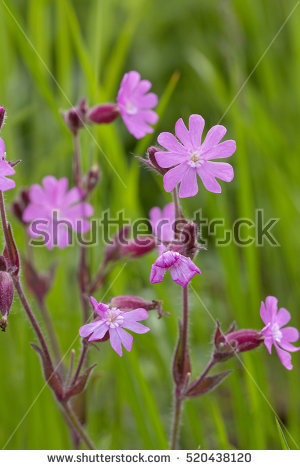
(54, 199)
(182, 269)
(113, 321)
(189, 157)
(135, 104)
(273, 332)
(5, 170)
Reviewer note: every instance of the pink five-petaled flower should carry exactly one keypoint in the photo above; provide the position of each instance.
(273, 332)
(54, 212)
(162, 223)
(182, 269)
(135, 104)
(5, 170)
(113, 321)
(189, 157)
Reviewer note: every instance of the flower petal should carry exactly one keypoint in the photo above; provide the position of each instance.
(271, 305)
(189, 185)
(289, 334)
(285, 358)
(115, 341)
(213, 137)
(99, 332)
(174, 176)
(196, 126)
(138, 314)
(126, 338)
(223, 171)
(6, 169)
(208, 180)
(265, 314)
(87, 329)
(6, 184)
(282, 317)
(157, 274)
(168, 159)
(169, 141)
(223, 150)
(135, 327)
(268, 343)
(183, 134)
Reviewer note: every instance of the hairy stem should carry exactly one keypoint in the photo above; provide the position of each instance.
(51, 332)
(76, 162)
(78, 426)
(81, 361)
(176, 422)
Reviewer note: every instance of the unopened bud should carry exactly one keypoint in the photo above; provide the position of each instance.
(103, 113)
(130, 302)
(152, 160)
(6, 297)
(2, 116)
(19, 205)
(113, 249)
(92, 178)
(75, 117)
(234, 342)
(138, 246)
(3, 265)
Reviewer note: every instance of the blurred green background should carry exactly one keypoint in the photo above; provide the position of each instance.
(238, 57)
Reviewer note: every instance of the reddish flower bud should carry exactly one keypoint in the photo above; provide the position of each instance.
(3, 265)
(151, 162)
(103, 113)
(233, 342)
(2, 116)
(113, 249)
(19, 205)
(130, 302)
(138, 246)
(6, 297)
(92, 178)
(75, 117)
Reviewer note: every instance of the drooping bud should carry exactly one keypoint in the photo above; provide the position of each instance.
(103, 113)
(92, 178)
(138, 246)
(11, 254)
(19, 205)
(75, 117)
(130, 302)
(6, 297)
(2, 116)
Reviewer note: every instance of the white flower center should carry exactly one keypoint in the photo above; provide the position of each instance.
(276, 333)
(195, 160)
(114, 317)
(130, 108)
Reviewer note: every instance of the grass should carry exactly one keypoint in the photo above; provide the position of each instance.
(199, 56)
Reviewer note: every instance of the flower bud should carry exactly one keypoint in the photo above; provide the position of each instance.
(103, 113)
(130, 302)
(3, 265)
(19, 205)
(113, 249)
(138, 246)
(6, 297)
(92, 178)
(234, 342)
(75, 117)
(2, 116)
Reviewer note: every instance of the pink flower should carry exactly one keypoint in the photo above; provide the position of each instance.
(5, 170)
(54, 212)
(135, 104)
(189, 157)
(182, 269)
(273, 332)
(113, 321)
